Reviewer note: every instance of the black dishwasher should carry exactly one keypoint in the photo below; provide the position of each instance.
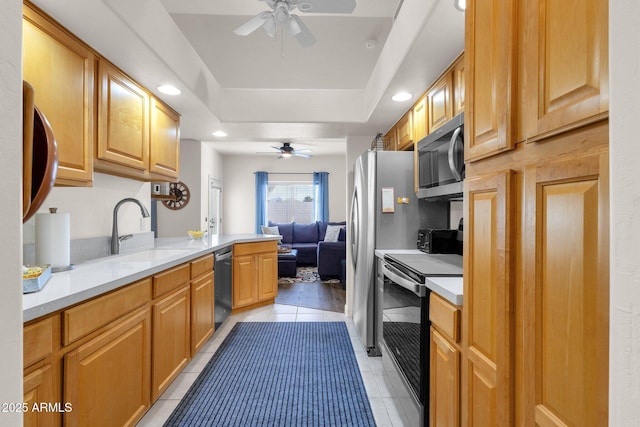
(222, 278)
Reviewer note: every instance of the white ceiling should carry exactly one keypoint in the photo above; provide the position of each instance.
(262, 91)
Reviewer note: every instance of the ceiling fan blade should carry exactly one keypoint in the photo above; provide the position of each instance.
(276, 148)
(303, 150)
(325, 6)
(305, 38)
(293, 27)
(253, 24)
(306, 156)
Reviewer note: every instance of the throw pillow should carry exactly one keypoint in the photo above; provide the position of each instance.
(273, 230)
(332, 233)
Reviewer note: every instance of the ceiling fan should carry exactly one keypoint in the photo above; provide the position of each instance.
(287, 151)
(281, 16)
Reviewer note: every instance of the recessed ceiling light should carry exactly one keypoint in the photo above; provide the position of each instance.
(460, 4)
(402, 96)
(220, 133)
(169, 90)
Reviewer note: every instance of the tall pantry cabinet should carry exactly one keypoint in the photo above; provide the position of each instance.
(536, 318)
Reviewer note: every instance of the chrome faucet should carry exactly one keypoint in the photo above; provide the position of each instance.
(115, 240)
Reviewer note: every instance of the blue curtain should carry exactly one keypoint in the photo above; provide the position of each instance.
(321, 184)
(262, 181)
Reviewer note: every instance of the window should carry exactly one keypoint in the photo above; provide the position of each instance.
(291, 201)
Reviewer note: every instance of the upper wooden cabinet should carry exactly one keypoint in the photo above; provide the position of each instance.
(132, 133)
(458, 76)
(420, 115)
(61, 70)
(123, 123)
(439, 102)
(566, 65)
(404, 129)
(164, 151)
(489, 53)
(138, 135)
(391, 140)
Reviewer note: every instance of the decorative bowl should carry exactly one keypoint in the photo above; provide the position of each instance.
(197, 234)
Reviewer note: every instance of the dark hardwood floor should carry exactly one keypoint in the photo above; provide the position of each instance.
(328, 295)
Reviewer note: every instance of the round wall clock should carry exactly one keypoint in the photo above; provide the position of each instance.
(181, 195)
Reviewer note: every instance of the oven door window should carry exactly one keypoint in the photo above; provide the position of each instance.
(401, 329)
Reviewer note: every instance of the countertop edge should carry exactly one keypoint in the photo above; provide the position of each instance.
(36, 309)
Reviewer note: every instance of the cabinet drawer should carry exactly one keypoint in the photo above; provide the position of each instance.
(444, 316)
(88, 317)
(240, 249)
(39, 339)
(201, 266)
(171, 279)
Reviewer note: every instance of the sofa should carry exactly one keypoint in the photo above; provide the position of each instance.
(313, 250)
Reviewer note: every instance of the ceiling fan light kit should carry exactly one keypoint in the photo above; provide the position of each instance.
(281, 16)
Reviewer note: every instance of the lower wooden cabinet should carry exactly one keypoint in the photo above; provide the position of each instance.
(202, 315)
(41, 386)
(171, 339)
(106, 380)
(444, 376)
(444, 363)
(255, 274)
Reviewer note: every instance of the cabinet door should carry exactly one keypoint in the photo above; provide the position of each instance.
(391, 140)
(444, 376)
(171, 339)
(164, 151)
(458, 86)
(489, 49)
(268, 272)
(487, 322)
(42, 386)
(439, 100)
(202, 319)
(566, 56)
(420, 118)
(123, 123)
(61, 70)
(404, 132)
(567, 271)
(245, 277)
(107, 379)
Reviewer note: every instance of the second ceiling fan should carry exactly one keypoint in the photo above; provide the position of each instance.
(287, 151)
(281, 16)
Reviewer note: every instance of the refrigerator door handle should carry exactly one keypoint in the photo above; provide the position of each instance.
(354, 227)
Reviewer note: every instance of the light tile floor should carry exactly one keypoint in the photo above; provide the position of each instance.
(381, 399)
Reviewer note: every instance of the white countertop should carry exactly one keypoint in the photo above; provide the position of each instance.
(96, 277)
(450, 288)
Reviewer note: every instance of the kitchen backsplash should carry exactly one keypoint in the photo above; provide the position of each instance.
(91, 209)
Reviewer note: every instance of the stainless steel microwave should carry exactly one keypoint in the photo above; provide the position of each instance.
(441, 161)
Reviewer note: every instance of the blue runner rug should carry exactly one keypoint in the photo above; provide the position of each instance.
(279, 374)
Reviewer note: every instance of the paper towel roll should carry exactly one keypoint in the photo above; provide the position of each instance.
(52, 239)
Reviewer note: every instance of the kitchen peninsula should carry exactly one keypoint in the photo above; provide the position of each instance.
(111, 335)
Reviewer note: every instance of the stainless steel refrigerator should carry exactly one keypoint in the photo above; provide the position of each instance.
(372, 229)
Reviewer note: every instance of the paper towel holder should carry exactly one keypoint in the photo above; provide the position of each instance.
(60, 268)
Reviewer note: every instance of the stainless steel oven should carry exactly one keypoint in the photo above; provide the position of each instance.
(405, 326)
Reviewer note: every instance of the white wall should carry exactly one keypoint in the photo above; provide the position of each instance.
(11, 207)
(198, 161)
(239, 198)
(624, 354)
(175, 223)
(91, 208)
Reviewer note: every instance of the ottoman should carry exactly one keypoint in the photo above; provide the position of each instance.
(287, 263)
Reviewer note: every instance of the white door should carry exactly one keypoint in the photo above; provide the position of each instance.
(215, 207)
